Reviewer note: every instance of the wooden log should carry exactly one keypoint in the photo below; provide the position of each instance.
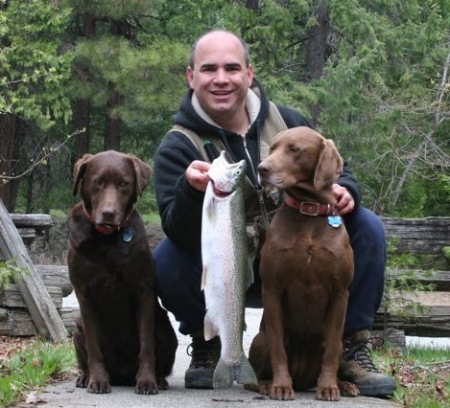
(420, 235)
(17, 322)
(433, 322)
(392, 337)
(68, 316)
(35, 221)
(40, 306)
(11, 296)
(56, 275)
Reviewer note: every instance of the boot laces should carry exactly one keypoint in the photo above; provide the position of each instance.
(359, 351)
(203, 353)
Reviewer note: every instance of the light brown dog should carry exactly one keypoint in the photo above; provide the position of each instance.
(123, 337)
(306, 268)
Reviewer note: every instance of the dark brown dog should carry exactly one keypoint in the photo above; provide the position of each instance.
(306, 268)
(123, 336)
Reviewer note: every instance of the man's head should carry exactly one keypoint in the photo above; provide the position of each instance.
(220, 74)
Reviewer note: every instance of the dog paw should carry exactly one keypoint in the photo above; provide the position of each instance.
(328, 393)
(348, 389)
(163, 384)
(99, 387)
(146, 388)
(282, 393)
(82, 380)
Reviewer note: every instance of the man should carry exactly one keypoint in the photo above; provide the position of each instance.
(226, 108)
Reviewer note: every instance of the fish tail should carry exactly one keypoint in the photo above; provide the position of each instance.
(245, 373)
(224, 375)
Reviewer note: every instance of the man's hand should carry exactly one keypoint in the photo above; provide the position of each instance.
(197, 174)
(344, 200)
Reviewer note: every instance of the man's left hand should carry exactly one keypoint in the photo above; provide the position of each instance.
(344, 200)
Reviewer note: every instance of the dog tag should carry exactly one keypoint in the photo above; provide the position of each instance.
(335, 221)
(128, 234)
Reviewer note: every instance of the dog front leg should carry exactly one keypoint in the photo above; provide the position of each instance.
(97, 376)
(146, 378)
(327, 386)
(281, 387)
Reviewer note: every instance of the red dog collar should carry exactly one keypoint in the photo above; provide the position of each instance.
(309, 208)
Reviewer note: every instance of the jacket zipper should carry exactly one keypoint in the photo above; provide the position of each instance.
(257, 186)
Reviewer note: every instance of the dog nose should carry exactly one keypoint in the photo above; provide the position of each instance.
(263, 168)
(108, 213)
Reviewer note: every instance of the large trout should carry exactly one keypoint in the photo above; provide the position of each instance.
(227, 271)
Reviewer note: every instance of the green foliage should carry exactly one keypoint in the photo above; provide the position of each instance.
(33, 367)
(8, 272)
(383, 94)
(446, 251)
(33, 70)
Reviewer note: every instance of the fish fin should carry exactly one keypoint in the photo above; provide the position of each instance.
(249, 276)
(209, 328)
(223, 375)
(244, 373)
(203, 283)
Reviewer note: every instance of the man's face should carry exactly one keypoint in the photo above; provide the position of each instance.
(220, 77)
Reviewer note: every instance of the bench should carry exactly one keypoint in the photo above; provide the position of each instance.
(425, 313)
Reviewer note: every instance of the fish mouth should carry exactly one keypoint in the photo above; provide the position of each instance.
(220, 193)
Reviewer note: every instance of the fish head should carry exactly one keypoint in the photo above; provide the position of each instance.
(225, 176)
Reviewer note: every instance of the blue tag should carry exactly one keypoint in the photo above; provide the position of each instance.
(128, 234)
(335, 221)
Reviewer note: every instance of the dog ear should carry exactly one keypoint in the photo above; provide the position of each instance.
(78, 171)
(329, 165)
(143, 173)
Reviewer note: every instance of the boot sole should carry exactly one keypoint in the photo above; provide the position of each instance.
(377, 391)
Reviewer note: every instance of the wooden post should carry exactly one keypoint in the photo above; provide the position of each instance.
(39, 303)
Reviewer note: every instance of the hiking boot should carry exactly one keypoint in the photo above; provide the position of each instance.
(205, 355)
(357, 366)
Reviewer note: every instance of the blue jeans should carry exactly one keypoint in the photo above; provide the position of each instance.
(178, 276)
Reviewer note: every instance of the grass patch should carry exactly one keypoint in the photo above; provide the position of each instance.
(32, 367)
(422, 375)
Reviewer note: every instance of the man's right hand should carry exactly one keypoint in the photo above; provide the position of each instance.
(197, 174)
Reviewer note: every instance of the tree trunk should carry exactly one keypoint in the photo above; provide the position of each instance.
(82, 120)
(82, 106)
(316, 48)
(7, 132)
(113, 123)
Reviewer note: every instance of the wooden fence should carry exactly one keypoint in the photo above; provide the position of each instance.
(424, 236)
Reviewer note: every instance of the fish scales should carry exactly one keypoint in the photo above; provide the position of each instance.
(226, 270)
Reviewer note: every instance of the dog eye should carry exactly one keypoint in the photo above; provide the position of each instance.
(294, 148)
(99, 181)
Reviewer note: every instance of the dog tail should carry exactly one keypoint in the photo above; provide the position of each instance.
(243, 373)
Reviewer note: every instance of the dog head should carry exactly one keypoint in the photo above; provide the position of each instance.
(301, 158)
(110, 183)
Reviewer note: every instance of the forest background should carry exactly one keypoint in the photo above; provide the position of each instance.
(80, 76)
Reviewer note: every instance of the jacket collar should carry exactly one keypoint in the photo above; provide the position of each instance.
(252, 104)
